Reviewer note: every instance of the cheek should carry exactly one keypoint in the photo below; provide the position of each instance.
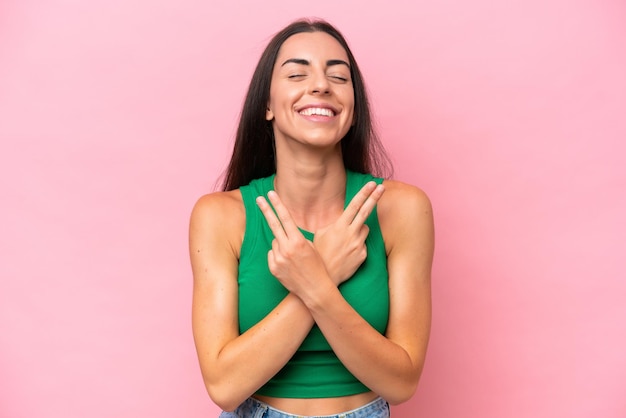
(279, 99)
(350, 110)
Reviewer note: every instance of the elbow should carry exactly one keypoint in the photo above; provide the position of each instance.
(405, 390)
(402, 395)
(225, 390)
(223, 397)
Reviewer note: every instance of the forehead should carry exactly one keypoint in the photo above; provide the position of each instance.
(311, 46)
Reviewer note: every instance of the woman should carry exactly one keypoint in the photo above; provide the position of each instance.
(311, 277)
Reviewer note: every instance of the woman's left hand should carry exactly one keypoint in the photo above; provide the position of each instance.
(293, 259)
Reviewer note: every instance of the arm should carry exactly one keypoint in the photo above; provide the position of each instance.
(390, 365)
(230, 362)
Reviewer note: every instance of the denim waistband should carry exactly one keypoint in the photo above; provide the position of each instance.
(253, 408)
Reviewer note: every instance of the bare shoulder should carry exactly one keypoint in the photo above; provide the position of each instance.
(219, 215)
(218, 202)
(402, 199)
(404, 209)
(219, 208)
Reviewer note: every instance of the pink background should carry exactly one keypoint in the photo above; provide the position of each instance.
(116, 115)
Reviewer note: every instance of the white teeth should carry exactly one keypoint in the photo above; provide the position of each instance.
(317, 111)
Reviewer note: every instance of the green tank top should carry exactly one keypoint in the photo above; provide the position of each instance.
(314, 371)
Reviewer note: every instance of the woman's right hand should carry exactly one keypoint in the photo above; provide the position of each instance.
(342, 243)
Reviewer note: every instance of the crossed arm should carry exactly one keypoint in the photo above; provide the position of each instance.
(390, 365)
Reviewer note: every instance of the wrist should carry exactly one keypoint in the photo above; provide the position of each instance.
(318, 297)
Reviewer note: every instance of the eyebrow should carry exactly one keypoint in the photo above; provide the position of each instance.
(301, 61)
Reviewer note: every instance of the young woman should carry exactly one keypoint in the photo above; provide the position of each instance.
(311, 276)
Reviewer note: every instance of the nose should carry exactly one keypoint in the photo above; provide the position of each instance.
(319, 83)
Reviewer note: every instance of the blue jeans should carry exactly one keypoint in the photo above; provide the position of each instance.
(253, 408)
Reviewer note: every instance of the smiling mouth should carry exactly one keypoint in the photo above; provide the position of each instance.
(318, 111)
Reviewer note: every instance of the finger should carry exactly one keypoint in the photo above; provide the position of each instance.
(368, 206)
(289, 226)
(272, 221)
(271, 262)
(363, 232)
(357, 201)
(275, 249)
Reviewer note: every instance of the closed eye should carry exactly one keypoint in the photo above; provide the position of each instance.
(339, 78)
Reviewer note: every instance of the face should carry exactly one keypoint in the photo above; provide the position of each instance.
(311, 93)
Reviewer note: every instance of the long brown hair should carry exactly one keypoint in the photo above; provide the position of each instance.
(253, 153)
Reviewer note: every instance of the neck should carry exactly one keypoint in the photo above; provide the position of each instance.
(314, 194)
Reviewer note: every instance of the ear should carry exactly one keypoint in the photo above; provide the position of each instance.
(269, 115)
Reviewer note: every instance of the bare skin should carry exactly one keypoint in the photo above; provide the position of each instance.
(310, 193)
(223, 352)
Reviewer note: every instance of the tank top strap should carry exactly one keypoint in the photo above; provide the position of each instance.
(255, 224)
(355, 181)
